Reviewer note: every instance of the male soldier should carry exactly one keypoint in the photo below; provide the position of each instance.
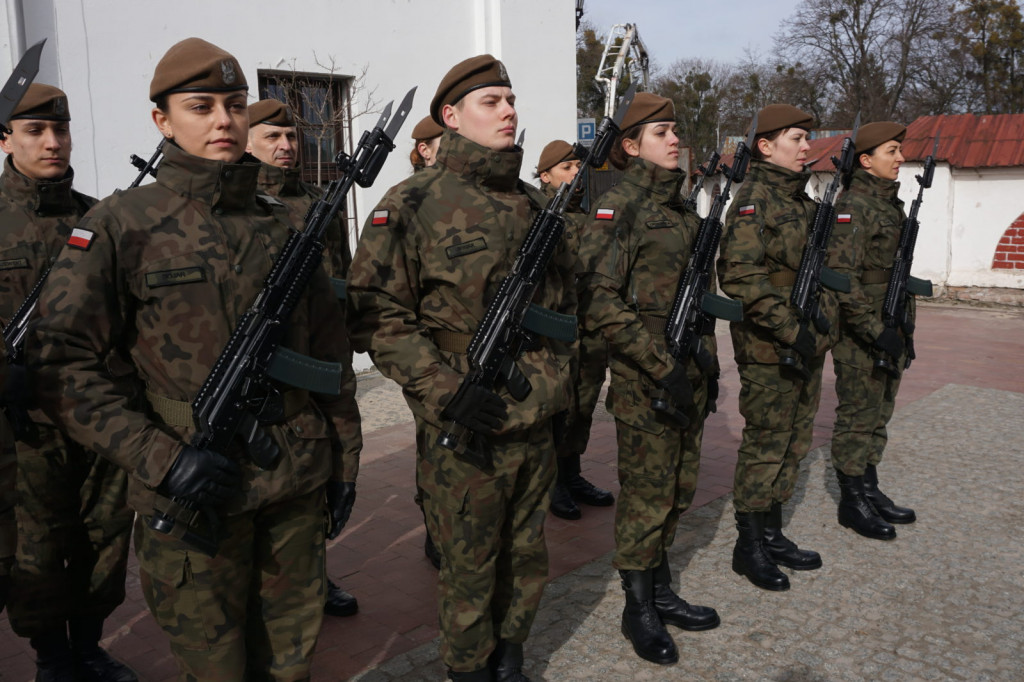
(558, 164)
(430, 260)
(273, 139)
(73, 521)
(162, 274)
(869, 218)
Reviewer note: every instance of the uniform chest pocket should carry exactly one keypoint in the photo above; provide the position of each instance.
(187, 276)
(455, 256)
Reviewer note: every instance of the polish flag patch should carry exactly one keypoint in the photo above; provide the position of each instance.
(81, 239)
(747, 210)
(844, 218)
(379, 218)
(605, 214)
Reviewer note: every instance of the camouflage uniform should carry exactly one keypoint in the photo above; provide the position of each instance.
(863, 248)
(162, 273)
(766, 230)
(8, 475)
(429, 261)
(638, 242)
(73, 522)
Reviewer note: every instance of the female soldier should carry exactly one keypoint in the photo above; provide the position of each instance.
(427, 138)
(866, 236)
(558, 164)
(760, 254)
(638, 241)
(161, 274)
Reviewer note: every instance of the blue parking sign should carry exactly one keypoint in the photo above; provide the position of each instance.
(586, 130)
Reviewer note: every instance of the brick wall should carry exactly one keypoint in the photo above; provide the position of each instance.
(1010, 250)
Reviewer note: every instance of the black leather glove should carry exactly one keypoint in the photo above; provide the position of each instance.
(478, 409)
(202, 477)
(261, 448)
(805, 344)
(890, 342)
(713, 391)
(678, 386)
(340, 498)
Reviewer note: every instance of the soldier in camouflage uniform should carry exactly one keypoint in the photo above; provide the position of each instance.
(8, 476)
(430, 259)
(766, 230)
(867, 232)
(558, 164)
(637, 243)
(73, 521)
(273, 139)
(162, 274)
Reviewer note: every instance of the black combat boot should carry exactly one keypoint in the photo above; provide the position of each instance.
(582, 490)
(562, 505)
(339, 602)
(885, 507)
(856, 513)
(783, 550)
(750, 558)
(95, 664)
(506, 661)
(482, 675)
(54, 661)
(641, 623)
(675, 610)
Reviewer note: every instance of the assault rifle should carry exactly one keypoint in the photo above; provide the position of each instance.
(901, 284)
(238, 395)
(147, 167)
(695, 309)
(500, 339)
(813, 274)
(709, 167)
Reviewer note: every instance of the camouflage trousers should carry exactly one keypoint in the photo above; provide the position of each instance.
(592, 369)
(252, 612)
(779, 410)
(8, 495)
(867, 398)
(658, 475)
(73, 532)
(489, 530)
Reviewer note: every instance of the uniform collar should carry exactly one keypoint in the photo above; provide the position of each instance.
(866, 183)
(45, 197)
(277, 181)
(663, 184)
(493, 170)
(789, 181)
(225, 186)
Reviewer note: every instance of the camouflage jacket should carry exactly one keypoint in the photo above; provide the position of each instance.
(635, 247)
(162, 273)
(285, 185)
(868, 225)
(575, 218)
(432, 256)
(765, 232)
(36, 218)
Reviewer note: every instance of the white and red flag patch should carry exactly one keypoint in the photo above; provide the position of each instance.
(81, 238)
(747, 210)
(380, 218)
(844, 218)
(605, 214)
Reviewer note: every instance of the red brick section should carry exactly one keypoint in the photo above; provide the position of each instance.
(1010, 250)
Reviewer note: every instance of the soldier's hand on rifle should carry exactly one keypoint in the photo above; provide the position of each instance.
(340, 498)
(806, 345)
(678, 385)
(890, 342)
(478, 409)
(202, 477)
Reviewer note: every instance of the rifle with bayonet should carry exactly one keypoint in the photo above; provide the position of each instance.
(813, 274)
(238, 395)
(695, 309)
(145, 167)
(709, 167)
(901, 284)
(500, 339)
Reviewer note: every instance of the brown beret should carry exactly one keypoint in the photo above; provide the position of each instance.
(778, 116)
(426, 129)
(194, 65)
(871, 135)
(648, 108)
(555, 153)
(43, 102)
(272, 112)
(482, 71)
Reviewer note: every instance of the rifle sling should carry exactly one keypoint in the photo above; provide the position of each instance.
(782, 278)
(538, 320)
(179, 412)
(302, 371)
(655, 324)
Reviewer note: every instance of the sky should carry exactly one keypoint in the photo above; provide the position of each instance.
(684, 29)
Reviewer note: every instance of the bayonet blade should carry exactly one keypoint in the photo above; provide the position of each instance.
(403, 113)
(384, 116)
(856, 127)
(522, 138)
(753, 132)
(627, 99)
(24, 73)
(935, 147)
